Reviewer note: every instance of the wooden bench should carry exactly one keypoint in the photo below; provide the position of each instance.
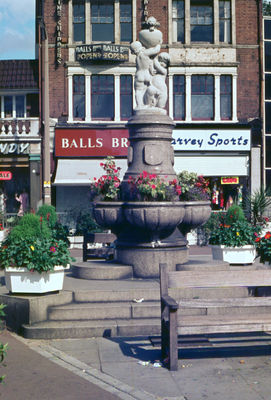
(174, 322)
(105, 251)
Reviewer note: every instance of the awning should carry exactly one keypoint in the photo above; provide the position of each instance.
(82, 172)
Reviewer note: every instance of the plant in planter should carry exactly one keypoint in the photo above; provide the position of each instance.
(263, 246)
(233, 239)
(194, 187)
(107, 187)
(31, 248)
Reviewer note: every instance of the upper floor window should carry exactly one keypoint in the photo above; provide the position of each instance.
(79, 20)
(178, 20)
(79, 97)
(126, 96)
(202, 97)
(201, 21)
(102, 97)
(102, 20)
(226, 97)
(179, 97)
(225, 21)
(19, 106)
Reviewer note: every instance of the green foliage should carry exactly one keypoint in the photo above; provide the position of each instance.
(85, 223)
(3, 347)
(30, 226)
(266, 8)
(235, 234)
(61, 232)
(48, 213)
(257, 203)
(234, 214)
(193, 187)
(263, 246)
(36, 254)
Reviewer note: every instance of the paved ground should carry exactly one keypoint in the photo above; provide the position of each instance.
(217, 368)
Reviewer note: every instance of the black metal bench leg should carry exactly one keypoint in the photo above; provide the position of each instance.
(173, 341)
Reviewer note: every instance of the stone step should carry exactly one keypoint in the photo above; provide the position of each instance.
(96, 311)
(203, 263)
(86, 329)
(100, 270)
(242, 306)
(112, 295)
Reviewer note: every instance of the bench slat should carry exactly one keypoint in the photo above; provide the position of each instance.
(246, 278)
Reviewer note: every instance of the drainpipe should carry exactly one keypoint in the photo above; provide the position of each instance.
(46, 118)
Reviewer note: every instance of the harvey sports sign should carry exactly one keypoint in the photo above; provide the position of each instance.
(211, 140)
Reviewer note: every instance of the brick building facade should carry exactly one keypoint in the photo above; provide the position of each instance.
(214, 88)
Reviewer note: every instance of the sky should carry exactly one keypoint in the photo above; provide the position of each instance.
(17, 29)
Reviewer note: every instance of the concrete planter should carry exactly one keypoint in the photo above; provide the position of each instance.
(109, 214)
(21, 280)
(234, 255)
(196, 214)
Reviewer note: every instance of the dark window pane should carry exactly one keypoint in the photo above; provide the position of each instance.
(267, 78)
(267, 29)
(126, 96)
(79, 97)
(178, 20)
(8, 106)
(32, 105)
(19, 106)
(102, 20)
(268, 151)
(179, 97)
(267, 58)
(202, 97)
(268, 178)
(226, 97)
(102, 96)
(268, 117)
(201, 21)
(79, 20)
(225, 21)
(125, 21)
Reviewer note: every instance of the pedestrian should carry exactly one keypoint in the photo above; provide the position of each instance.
(24, 202)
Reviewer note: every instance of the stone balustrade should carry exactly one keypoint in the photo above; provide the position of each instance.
(21, 127)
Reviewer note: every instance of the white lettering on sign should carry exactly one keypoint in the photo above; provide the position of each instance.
(10, 148)
(222, 140)
(119, 142)
(81, 143)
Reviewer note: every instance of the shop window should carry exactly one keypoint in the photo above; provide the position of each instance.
(79, 20)
(267, 56)
(125, 21)
(268, 177)
(201, 21)
(102, 20)
(179, 97)
(32, 105)
(267, 29)
(126, 96)
(102, 97)
(226, 97)
(267, 117)
(268, 151)
(267, 78)
(8, 106)
(202, 97)
(178, 20)
(225, 21)
(79, 97)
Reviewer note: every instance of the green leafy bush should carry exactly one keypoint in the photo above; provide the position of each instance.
(30, 226)
(263, 246)
(85, 223)
(234, 214)
(48, 213)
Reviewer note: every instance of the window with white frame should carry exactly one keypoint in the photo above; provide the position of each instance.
(19, 105)
(102, 97)
(195, 21)
(197, 92)
(79, 97)
(102, 20)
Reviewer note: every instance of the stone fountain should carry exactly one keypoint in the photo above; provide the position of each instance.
(149, 233)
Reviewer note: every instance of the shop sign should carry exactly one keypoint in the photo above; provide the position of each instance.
(14, 148)
(5, 175)
(230, 181)
(91, 142)
(111, 52)
(211, 139)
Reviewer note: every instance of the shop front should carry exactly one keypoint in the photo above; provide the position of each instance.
(222, 155)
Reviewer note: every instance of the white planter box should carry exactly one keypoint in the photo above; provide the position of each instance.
(76, 242)
(21, 280)
(235, 255)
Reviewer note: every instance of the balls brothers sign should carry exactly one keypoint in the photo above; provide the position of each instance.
(111, 52)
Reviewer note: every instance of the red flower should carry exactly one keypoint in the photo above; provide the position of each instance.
(257, 239)
(267, 235)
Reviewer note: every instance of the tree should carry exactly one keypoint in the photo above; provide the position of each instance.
(266, 8)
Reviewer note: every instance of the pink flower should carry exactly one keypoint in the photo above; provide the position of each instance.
(52, 249)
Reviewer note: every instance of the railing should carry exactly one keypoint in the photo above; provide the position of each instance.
(20, 127)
